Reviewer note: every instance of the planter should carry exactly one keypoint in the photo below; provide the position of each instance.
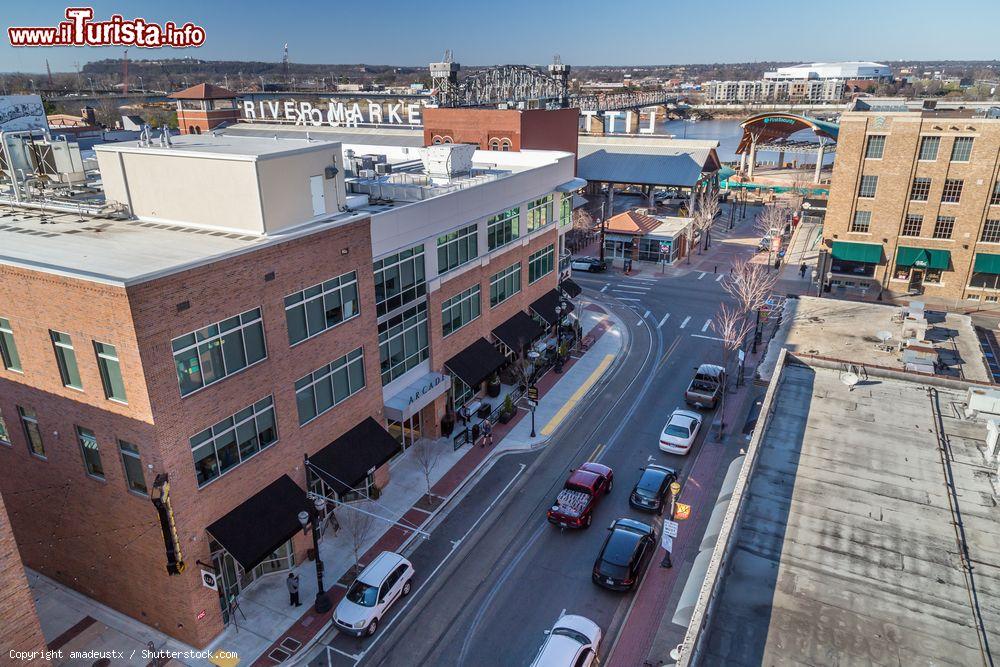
(505, 417)
(493, 388)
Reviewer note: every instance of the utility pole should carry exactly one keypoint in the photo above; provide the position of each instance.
(125, 74)
(48, 70)
(284, 63)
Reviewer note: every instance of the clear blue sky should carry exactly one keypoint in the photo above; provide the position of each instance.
(530, 31)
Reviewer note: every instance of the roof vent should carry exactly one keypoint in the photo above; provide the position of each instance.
(447, 160)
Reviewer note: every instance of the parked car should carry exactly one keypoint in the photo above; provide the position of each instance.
(624, 555)
(572, 642)
(706, 387)
(574, 506)
(680, 431)
(764, 244)
(589, 264)
(385, 580)
(651, 491)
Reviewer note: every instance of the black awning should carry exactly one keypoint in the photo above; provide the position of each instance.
(345, 462)
(545, 305)
(519, 331)
(571, 289)
(476, 362)
(263, 522)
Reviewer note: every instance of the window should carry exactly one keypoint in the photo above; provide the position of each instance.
(868, 186)
(219, 449)
(944, 226)
(66, 359)
(111, 372)
(932, 276)
(912, 224)
(994, 201)
(132, 464)
(29, 421)
(461, 393)
(399, 279)
(991, 232)
(494, 144)
(8, 348)
(985, 280)
(321, 307)
(929, 148)
(540, 263)
(457, 247)
(208, 355)
(330, 385)
(505, 145)
(402, 342)
(505, 284)
(91, 452)
(539, 213)
(503, 228)
(920, 189)
(862, 222)
(566, 210)
(875, 147)
(961, 150)
(459, 310)
(952, 191)
(4, 433)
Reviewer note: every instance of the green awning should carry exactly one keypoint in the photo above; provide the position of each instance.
(986, 264)
(866, 253)
(923, 258)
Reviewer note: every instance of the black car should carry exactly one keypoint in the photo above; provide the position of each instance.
(651, 491)
(626, 553)
(589, 264)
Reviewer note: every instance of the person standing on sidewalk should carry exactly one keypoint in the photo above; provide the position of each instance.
(292, 583)
(802, 270)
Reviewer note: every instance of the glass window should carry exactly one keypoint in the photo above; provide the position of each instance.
(929, 148)
(213, 352)
(985, 280)
(868, 185)
(91, 452)
(539, 213)
(402, 342)
(862, 222)
(321, 307)
(457, 247)
(8, 348)
(399, 279)
(29, 421)
(541, 263)
(111, 372)
(961, 150)
(4, 433)
(332, 384)
(994, 201)
(920, 190)
(944, 226)
(66, 359)
(912, 225)
(459, 310)
(135, 477)
(952, 191)
(232, 441)
(875, 147)
(503, 228)
(566, 210)
(505, 284)
(991, 232)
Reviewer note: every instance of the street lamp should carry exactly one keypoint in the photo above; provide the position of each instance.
(323, 603)
(533, 355)
(261, 83)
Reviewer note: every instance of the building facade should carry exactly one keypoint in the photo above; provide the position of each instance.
(773, 90)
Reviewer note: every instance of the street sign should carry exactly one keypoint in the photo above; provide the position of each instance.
(682, 511)
(532, 404)
(670, 528)
(667, 542)
(533, 393)
(675, 488)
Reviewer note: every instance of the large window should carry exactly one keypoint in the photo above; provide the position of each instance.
(206, 356)
(539, 213)
(929, 148)
(540, 263)
(135, 477)
(868, 186)
(399, 279)
(111, 372)
(503, 228)
(985, 280)
(402, 342)
(332, 384)
(961, 150)
(8, 348)
(320, 307)
(875, 147)
(29, 422)
(566, 210)
(991, 232)
(862, 222)
(4, 433)
(66, 359)
(920, 189)
(944, 226)
(952, 193)
(994, 201)
(91, 452)
(505, 284)
(912, 225)
(233, 440)
(459, 310)
(457, 247)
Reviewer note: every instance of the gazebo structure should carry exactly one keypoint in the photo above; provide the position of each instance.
(771, 132)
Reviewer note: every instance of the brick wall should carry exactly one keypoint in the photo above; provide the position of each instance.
(20, 630)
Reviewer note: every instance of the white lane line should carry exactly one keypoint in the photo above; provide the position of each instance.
(706, 337)
(604, 289)
(647, 314)
(685, 322)
(705, 326)
(642, 280)
(701, 275)
(625, 298)
(663, 321)
(630, 290)
(721, 276)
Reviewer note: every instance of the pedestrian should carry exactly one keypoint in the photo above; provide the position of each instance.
(802, 270)
(334, 522)
(292, 583)
(487, 440)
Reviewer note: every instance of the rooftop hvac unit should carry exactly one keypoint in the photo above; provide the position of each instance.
(992, 439)
(367, 173)
(983, 401)
(447, 160)
(383, 169)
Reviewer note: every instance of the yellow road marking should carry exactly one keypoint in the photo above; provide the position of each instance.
(577, 395)
(595, 453)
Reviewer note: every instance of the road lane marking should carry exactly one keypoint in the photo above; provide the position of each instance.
(596, 452)
(701, 275)
(626, 298)
(605, 288)
(670, 350)
(705, 326)
(721, 276)
(663, 321)
(647, 313)
(706, 337)
(685, 322)
(577, 395)
(629, 288)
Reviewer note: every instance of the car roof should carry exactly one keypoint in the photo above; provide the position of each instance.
(581, 624)
(681, 419)
(583, 478)
(379, 569)
(598, 468)
(556, 651)
(651, 471)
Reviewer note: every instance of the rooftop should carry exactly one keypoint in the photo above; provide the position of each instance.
(369, 136)
(646, 160)
(224, 146)
(203, 91)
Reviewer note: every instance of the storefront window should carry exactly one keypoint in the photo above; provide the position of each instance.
(986, 280)
(853, 268)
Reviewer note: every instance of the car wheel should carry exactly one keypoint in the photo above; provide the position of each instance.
(586, 522)
(611, 485)
(406, 589)
(372, 627)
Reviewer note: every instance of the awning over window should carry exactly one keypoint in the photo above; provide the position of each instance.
(476, 362)
(986, 264)
(923, 258)
(571, 186)
(345, 462)
(519, 331)
(571, 289)
(866, 253)
(262, 523)
(417, 395)
(545, 306)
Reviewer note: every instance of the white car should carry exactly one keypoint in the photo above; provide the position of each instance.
(680, 431)
(385, 580)
(572, 642)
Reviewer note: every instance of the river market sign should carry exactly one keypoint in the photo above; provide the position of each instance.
(334, 113)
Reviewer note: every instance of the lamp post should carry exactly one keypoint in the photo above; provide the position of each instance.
(603, 218)
(323, 603)
(532, 392)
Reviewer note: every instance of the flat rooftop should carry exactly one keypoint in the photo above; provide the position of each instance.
(228, 146)
(372, 136)
(847, 550)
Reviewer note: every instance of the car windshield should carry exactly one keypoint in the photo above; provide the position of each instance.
(572, 634)
(677, 430)
(362, 594)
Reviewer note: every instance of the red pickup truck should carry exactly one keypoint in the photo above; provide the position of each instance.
(574, 506)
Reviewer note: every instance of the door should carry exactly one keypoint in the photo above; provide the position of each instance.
(318, 198)
(917, 280)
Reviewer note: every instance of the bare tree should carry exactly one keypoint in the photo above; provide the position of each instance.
(769, 223)
(732, 325)
(750, 284)
(706, 208)
(358, 526)
(426, 453)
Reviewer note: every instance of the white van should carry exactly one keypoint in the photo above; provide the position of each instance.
(385, 580)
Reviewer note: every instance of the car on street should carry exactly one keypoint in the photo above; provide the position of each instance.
(574, 506)
(572, 642)
(679, 432)
(706, 386)
(588, 264)
(385, 580)
(653, 488)
(624, 555)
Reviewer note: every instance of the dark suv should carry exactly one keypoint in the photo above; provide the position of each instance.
(625, 554)
(653, 488)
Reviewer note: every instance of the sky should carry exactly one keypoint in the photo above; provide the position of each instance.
(582, 32)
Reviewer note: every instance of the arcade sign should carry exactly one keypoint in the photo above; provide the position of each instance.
(334, 113)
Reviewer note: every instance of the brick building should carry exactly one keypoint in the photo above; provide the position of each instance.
(503, 129)
(204, 107)
(915, 206)
(21, 630)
